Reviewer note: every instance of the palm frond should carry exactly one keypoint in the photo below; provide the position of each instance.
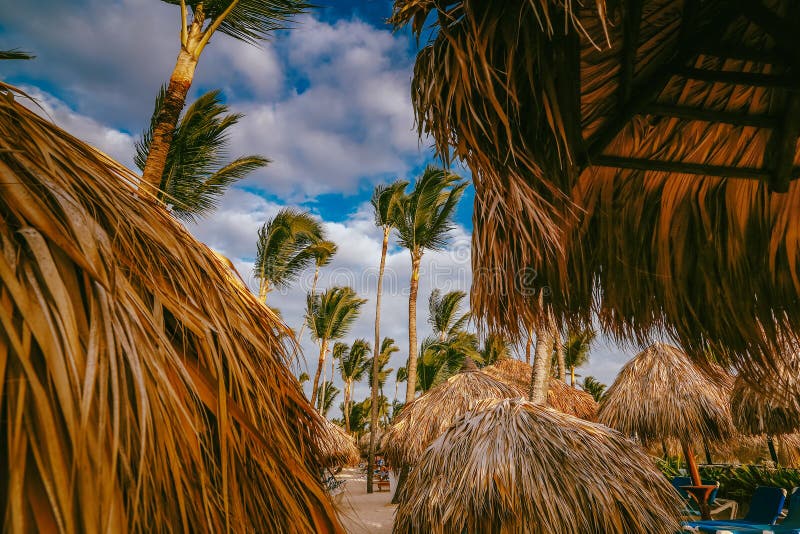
(15, 53)
(283, 246)
(331, 314)
(386, 201)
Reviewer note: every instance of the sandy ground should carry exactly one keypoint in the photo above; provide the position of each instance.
(362, 513)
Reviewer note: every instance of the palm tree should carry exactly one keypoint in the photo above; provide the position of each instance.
(442, 359)
(495, 348)
(353, 366)
(246, 20)
(326, 394)
(195, 173)
(385, 201)
(400, 377)
(303, 378)
(15, 53)
(576, 351)
(340, 350)
(329, 317)
(424, 223)
(558, 355)
(443, 313)
(285, 248)
(595, 388)
(388, 347)
(322, 252)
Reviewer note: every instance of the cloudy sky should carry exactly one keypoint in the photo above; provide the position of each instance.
(327, 101)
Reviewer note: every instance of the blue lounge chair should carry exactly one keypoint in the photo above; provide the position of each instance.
(790, 524)
(765, 508)
(716, 505)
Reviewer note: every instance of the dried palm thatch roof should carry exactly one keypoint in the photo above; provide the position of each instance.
(753, 413)
(511, 467)
(363, 443)
(661, 394)
(425, 418)
(621, 149)
(741, 449)
(565, 399)
(134, 366)
(337, 447)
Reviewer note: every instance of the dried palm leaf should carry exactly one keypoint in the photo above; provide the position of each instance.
(338, 448)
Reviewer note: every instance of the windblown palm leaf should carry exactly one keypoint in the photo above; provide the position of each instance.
(326, 395)
(353, 365)
(386, 202)
(135, 363)
(196, 174)
(441, 359)
(284, 247)
(331, 314)
(594, 387)
(15, 53)
(388, 347)
(322, 252)
(495, 348)
(444, 312)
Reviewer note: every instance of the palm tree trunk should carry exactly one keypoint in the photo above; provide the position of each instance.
(540, 373)
(347, 386)
(571, 376)
(313, 291)
(167, 119)
(772, 453)
(323, 348)
(528, 344)
(373, 415)
(263, 289)
(411, 383)
(562, 368)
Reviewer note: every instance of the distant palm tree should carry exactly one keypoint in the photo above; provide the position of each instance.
(444, 313)
(385, 206)
(329, 317)
(400, 377)
(594, 387)
(195, 173)
(326, 394)
(322, 252)
(353, 365)
(576, 350)
(388, 347)
(440, 360)
(15, 53)
(559, 357)
(303, 378)
(246, 20)
(340, 350)
(495, 348)
(424, 223)
(284, 249)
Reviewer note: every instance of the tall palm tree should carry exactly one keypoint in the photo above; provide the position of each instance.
(386, 202)
(195, 173)
(284, 249)
(388, 347)
(325, 396)
(340, 350)
(440, 360)
(329, 317)
(322, 252)
(576, 351)
(246, 20)
(400, 377)
(495, 348)
(353, 366)
(444, 313)
(424, 223)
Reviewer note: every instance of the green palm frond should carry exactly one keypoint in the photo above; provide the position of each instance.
(196, 174)
(283, 246)
(576, 348)
(444, 312)
(495, 348)
(442, 359)
(386, 201)
(326, 394)
(354, 365)
(15, 53)
(322, 252)
(425, 217)
(331, 314)
(388, 347)
(402, 374)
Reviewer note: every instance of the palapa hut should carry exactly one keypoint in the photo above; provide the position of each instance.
(639, 156)
(141, 386)
(337, 447)
(661, 394)
(755, 414)
(513, 467)
(566, 399)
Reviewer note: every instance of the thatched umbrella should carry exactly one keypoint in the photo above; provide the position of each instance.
(661, 394)
(363, 442)
(511, 466)
(566, 399)
(755, 414)
(337, 447)
(639, 156)
(134, 366)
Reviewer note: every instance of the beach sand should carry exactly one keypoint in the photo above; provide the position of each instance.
(362, 513)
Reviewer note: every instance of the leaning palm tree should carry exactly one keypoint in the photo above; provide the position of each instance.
(246, 20)
(576, 351)
(353, 366)
(284, 249)
(424, 223)
(385, 204)
(195, 173)
(444, 313)
(329, 317)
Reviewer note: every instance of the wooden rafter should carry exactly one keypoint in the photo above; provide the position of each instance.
(631, 24)
(706, 115)
(643, 164)
(780, 81)
(777, 27)
(742, 53)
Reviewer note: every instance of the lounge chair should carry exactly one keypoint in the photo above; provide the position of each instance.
(716, 505)
(765, 508)
(790, 524)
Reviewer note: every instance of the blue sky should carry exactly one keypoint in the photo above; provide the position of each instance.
(327, 101)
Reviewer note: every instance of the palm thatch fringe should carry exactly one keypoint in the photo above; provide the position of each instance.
(142, 387)
(513, 467)
(338, 448)
(424, 419)
(363, 443)
(559, 108)
(755, 414)
(661, 394)
(565, 399)
(739, 449)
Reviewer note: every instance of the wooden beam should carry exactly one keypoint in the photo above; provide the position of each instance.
(705, 115)
(568, 87)
(784, 146)
(741, 53)
(641, 164)
(781, 81)
(631, 23)
(779, 28)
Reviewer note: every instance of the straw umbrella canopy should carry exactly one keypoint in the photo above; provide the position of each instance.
(135, 364)
(566, 399)
(621, 149)
(661, 394)
(755, 414)
(512, 467)
(363, 442)
(425, 418)
(337, 447)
